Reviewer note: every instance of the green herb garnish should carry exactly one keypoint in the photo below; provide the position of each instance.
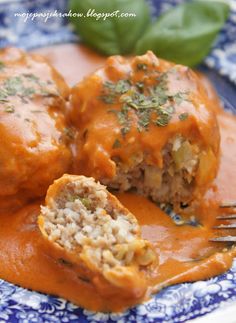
(46, 92)
(108, 99)
(13, 85)
(155, 106)
(9, 109)
(31, 77)
(84, 279)
(85, 201)
(142, 67)
(180, 97)
(2, 65)
(140, 86)
(36, 111)
(111, 91)
(122, 86)
(163, 119)
(69, 132)
(24, 86)
(123, 119)
(64, 262)
(116, 144)
(3, 96)
(170, 109)
(183, 116)
(28, 92)
(72, 198)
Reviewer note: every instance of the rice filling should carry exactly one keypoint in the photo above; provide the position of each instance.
(83, 220)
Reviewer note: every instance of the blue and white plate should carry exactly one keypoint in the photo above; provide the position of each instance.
(177, 303)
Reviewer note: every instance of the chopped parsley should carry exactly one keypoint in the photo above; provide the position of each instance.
(3, 96)
(122, 86)
(2, 65)
(13, 85)
(116, 144)
(112, 91)
(72, 198)
(163, 119)
(140, 86)
(47, 93)
(69, 132)
(28, 92)
(31, 77)
(85, 201)
(123, 119)
(142, 67)
(64, 262)
(108, 99)
(24, 86)
(36, 111)
(170, 109)
(183, 116)
(151, 105)
(9, 109)
(180, 97)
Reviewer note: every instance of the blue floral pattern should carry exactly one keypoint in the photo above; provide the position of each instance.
(173, 304)
(33, 33)
(38, 33)
(223, 55)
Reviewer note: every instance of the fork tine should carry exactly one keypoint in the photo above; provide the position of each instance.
(225, 226)
(230, 214)
(223, 239)
(228, 205)
(226, 217)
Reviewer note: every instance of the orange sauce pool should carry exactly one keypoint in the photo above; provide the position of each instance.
(185, 251)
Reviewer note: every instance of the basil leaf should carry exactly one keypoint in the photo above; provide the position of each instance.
(113, 35)
(185, 33)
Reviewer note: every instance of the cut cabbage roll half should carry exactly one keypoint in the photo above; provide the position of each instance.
(87, 227)
(148, 125)
(34, 138)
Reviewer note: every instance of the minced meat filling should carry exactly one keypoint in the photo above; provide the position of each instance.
(174, 182)
(83, 220)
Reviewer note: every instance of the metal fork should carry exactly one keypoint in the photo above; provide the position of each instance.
(231, 215)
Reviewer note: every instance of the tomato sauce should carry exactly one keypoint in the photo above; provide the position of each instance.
(185, 253)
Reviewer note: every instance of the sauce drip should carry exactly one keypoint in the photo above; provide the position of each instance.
(185, 252)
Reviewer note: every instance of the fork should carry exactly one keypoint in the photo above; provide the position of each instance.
(230, 206)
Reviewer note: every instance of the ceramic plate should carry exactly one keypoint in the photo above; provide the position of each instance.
(173, 304)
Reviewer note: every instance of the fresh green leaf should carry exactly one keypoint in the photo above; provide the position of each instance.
(113, 35)
(185, 33)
